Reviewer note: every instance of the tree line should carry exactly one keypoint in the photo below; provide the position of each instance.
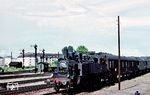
(80, 49)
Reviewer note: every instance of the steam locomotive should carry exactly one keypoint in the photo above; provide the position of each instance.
(77, 70)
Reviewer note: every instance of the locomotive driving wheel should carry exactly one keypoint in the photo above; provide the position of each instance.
(68, 86)
(56, 87)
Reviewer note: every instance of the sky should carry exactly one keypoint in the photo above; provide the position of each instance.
(53, 24)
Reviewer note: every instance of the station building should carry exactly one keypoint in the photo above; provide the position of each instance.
(29, 58)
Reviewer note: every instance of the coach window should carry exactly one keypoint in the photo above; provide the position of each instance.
(126, 63)
(112, 64)
(132, 64)
(109, 64)
(129, 64)
(122, 64)
(145, 63)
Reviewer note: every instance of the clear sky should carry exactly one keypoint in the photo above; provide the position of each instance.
(53, 24)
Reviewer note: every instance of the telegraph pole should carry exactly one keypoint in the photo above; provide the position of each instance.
(58, 56)
(11, 57)
(43, 54)
(119, 53)
(23, 57)
(35, 47)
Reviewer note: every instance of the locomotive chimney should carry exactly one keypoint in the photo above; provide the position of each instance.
(67, 54)
(80, 57)
(73, 55)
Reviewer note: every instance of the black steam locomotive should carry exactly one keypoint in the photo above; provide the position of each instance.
(82, 70)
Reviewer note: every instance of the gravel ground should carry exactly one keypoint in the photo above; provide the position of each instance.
(39, 92)
(128, 87)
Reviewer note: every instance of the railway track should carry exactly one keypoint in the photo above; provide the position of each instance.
(11, 76)
(3, 85)
(16, 72)
(26, 82)
(23, 89)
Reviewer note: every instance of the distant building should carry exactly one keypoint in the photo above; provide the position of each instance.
(29, 58)
(7, 60)
(2, 61)
(15, 64)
